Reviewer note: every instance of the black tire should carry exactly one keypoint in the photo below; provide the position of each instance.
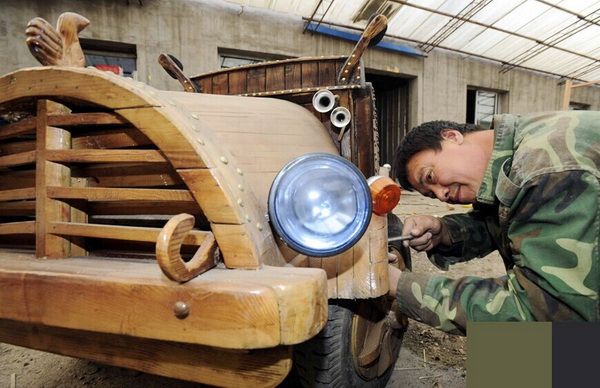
(327, 359)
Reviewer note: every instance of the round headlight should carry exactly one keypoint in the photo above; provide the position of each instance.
(320, 204)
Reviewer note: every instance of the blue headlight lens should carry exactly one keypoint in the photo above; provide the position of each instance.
(320, 204)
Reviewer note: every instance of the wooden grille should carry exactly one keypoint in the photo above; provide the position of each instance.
(74, 183)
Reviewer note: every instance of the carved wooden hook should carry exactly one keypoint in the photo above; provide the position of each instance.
(168, 246)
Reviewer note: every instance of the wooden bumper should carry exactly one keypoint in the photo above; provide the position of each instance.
(236, 309)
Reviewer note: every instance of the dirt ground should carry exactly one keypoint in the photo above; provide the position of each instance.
(429, 358)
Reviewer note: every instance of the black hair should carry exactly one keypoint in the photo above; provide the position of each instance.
(427, 136)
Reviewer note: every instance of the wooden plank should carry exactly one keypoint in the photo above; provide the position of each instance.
(50, 174)
(206, 85)
(134, 298)
(237, 82)
(23, 227)
(220, 84)
(117, 232)
(228, 308)
(238, 248)
(168, 131)
(293, 76)
(101, 87)
(200, 364)
(256, 80)
(13, 179)
(117, 194)
(105, 156)
(15, 147)
(20, 159)
(78, 119)
(17, 194)
(17, 208)
(275, 77)
(362, 136)
(327, 74)
(310, 74)
(142, 207)
(19, 128)
(112, 138)
(130, 175)
(208, 190)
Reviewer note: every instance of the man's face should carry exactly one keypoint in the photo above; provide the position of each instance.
(452, 174)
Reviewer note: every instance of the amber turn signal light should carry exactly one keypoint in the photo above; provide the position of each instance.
(385, 194)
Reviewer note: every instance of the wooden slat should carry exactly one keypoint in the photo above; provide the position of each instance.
(116, 232)
(114, 194)
(16, 147)
(293, 76)
(17, 194)
(201, 364)
(143, 207)
(17, 208)
(19, 128)
(76, 119)
(11, 179)
(275, 78)
(220, 84)
(327, 74)
(130, 175)
(310, 74)
(19, 159)
(206, 85)
(237, 82)
(256, 80)
(23, 227)
(112, 138)
(105, 156)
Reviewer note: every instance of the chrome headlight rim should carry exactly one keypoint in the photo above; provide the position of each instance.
(364, 214)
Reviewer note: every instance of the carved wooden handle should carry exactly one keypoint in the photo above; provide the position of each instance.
(373, 32)
(168, 246)
(175, 70)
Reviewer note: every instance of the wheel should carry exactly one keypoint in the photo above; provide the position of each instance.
(357, 347)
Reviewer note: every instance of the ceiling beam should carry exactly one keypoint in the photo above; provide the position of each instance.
(419, 42)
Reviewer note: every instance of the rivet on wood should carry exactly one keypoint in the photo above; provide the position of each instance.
(195, 128)
(200, 141)
(224, 160)
(181, 310)
(248, 219)
(240, 202)
(240, 187)
(195, 116)
(259, 226)
(239, 171)
(343, 79)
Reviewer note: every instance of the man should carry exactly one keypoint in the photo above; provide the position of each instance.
(534, 185)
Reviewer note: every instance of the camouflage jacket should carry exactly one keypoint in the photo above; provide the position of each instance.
(538, 206)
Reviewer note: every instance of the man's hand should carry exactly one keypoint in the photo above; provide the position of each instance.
(428, 232)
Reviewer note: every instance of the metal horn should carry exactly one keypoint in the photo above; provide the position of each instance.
(340, 117)
(323, 101)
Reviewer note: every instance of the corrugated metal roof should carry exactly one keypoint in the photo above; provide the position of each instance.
(561, 37)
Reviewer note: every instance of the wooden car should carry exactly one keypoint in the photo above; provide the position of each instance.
(133, 226)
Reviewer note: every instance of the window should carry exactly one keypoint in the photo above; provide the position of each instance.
(226, 61)
(482, 105)
(120, 58)
(232, 57)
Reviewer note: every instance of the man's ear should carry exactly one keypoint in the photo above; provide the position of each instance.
(453, 136)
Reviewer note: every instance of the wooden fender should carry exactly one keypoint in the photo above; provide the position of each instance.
(227, 149)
